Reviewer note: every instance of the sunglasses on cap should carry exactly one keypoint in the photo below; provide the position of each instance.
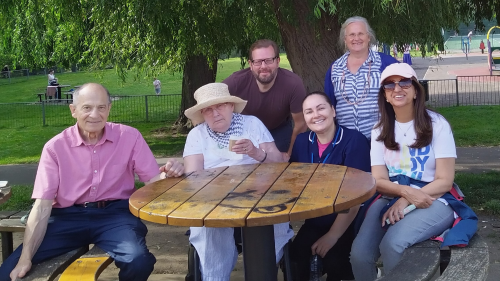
(404, 83)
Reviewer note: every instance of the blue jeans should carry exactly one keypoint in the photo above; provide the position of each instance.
(373, 241)
(114, 229)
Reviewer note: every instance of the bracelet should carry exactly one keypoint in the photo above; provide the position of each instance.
(265, 156)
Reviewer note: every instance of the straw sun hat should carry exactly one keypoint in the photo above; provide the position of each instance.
(208, 95)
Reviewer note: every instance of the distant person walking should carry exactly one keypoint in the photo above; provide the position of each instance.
(481, 46)
(157, 85)
(470, 36)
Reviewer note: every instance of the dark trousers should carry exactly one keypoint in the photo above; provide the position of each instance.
(336, 262)
(114, 229)
(282, 135)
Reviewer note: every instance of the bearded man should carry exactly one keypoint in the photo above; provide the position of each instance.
(274, 94)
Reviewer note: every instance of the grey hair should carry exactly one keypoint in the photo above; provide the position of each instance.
(77, 93)
(371, 33)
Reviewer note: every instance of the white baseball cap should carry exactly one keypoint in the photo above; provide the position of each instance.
(400, 69)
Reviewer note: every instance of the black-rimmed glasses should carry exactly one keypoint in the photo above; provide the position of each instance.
(267, 61)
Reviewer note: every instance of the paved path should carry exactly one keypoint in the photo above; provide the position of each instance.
(470, 159)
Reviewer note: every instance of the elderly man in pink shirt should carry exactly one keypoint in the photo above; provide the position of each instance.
(84, 180)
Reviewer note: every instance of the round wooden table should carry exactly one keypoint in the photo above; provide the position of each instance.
(253, 197)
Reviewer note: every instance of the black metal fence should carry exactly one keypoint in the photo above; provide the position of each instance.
(464, 90)
(125, 109)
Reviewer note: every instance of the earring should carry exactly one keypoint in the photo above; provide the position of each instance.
(387, 100)
(415, 97)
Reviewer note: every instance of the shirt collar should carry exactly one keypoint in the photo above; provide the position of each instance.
(343, 59)
(77, 140)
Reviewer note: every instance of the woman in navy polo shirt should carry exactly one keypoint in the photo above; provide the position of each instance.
(328, 236)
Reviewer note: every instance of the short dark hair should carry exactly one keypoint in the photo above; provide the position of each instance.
(319, 93)
(263, 43)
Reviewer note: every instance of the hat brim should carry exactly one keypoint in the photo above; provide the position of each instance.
(194, 113)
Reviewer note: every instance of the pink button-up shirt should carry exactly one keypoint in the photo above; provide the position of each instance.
(73, 172)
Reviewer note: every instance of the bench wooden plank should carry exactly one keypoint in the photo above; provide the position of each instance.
(274, 207)
(419, 262)
(320, 193)
(158, 209)
(7, 227)
(7, 214)
(468, 263)
(202, 203)
(50, 269)
(247, 194)
(87, 267)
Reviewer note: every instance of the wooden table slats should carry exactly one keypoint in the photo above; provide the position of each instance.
(234, 209)
(193, 211)
(319, 195)
(252, 195)
(275, 206)
(143, 196)
(355, 192)
(159, 208)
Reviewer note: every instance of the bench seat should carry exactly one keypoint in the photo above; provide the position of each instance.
(421, 261)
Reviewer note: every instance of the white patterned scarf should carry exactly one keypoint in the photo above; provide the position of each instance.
(235, 129)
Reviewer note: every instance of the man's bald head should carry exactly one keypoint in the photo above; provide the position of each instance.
(90, 87)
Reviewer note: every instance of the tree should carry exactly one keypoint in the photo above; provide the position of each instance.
(190, 35)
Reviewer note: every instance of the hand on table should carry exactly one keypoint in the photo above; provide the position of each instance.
(323, 245)
(22, 267)
(172, 168)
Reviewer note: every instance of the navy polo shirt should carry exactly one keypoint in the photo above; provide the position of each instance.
(351, 149)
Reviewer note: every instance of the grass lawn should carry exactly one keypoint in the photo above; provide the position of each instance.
(474, 125)
(24, 89)
(482, 193)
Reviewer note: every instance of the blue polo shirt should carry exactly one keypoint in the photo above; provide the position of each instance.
(350, 149)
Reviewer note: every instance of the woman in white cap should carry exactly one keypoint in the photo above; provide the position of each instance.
(413, 161)
(217, 116)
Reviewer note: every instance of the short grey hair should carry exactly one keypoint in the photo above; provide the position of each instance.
(77, 92)
(371, 33)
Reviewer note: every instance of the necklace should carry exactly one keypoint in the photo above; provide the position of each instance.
(365, 92)
(404, 134)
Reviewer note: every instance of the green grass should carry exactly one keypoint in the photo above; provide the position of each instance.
(482, 193)
(20, 199)
(24, 89)
(474, 125)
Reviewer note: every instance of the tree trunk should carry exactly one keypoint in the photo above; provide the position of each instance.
(310, 43)
(197, 72)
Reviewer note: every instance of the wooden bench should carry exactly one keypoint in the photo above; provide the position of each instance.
(40, 95)
(87, 265)
(421, 262)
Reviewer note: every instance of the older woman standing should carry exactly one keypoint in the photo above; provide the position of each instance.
(219, 118)
(413, 161)
(353, 80)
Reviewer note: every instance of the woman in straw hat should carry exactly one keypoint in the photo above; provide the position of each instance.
(413, 161)
(219, 123)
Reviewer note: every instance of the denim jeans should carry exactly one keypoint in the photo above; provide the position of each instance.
(373, 241)
(114, 229)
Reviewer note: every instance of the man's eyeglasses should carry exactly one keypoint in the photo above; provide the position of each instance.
(267, 61)
(403, 83)
(210, 110)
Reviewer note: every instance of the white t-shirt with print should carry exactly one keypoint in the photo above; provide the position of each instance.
(199, 142)
(416, 163)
